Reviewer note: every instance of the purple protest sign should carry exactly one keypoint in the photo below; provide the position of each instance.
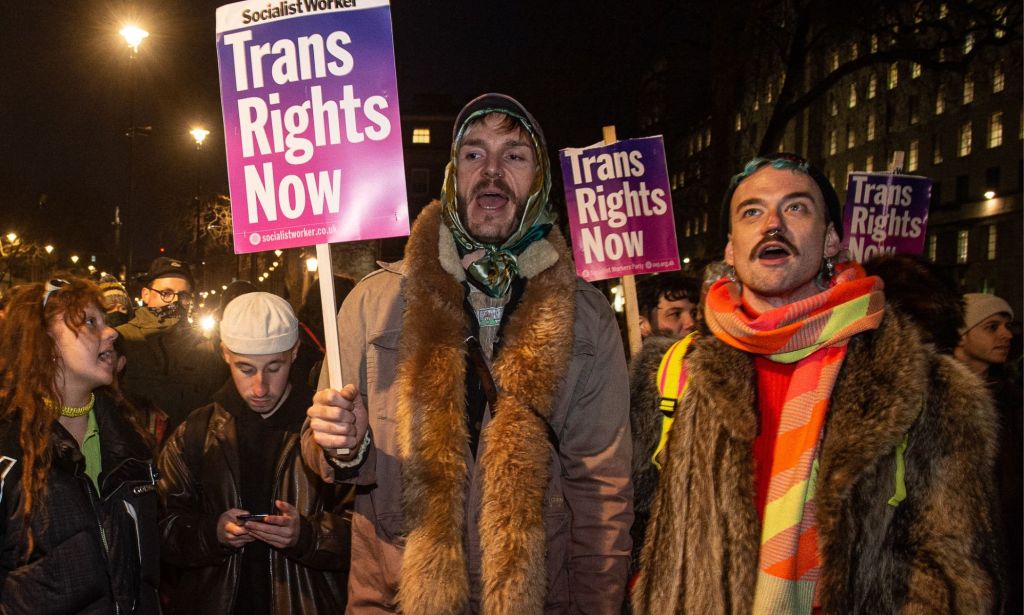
(311, 122)
(620, 209)
(885, 214)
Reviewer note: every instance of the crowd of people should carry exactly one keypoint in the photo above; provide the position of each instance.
(799, 433)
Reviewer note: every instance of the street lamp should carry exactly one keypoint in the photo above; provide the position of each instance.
(133, 35)
(199, 134)
(12, 237)
(49, 248)
(74, 259)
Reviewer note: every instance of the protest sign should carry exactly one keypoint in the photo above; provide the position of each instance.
(620, 208)
(885, 214)
(311, 122)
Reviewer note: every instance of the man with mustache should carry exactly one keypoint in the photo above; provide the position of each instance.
(821, 458)
(485, 422)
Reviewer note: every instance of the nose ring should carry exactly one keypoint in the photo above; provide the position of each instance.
(774, 233)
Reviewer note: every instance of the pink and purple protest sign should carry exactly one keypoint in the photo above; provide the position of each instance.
(885, 214)
(620, 209)
(311, 122)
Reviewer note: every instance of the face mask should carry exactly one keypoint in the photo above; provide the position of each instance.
(116, 319)
(173, 310)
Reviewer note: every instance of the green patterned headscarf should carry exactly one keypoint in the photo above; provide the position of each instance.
(497, 268)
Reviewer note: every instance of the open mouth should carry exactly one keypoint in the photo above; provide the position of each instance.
(773, 252)
(491, 200)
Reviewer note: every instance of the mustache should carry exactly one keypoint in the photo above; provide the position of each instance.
(496, 182)
(774, 239)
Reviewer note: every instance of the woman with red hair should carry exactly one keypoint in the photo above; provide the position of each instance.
(78, 507)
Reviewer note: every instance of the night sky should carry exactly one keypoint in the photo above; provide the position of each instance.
(65, 90)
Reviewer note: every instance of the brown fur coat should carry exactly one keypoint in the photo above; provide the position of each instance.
(520, 529)
(933, 553)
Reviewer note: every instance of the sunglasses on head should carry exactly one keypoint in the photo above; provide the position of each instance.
(53, 286)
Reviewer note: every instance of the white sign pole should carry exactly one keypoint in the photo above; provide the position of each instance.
(333, 356)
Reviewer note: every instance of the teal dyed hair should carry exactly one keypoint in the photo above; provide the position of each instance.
(785, 162)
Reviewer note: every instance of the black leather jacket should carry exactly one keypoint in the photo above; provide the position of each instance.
(307, 578)
(75, 566)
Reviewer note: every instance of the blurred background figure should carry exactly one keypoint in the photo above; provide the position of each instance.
(311, 329)
(77, 481)
(984, 347)
(116, 301)
(915, 287)
(668, 304)
(172, 369)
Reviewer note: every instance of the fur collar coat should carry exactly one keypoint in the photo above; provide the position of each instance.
(933, 552)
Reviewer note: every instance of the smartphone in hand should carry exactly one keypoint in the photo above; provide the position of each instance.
(259, 517)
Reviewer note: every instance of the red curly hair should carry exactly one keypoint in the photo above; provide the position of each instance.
(29, 369)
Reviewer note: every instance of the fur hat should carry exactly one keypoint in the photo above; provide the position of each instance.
(980, 306)
(259, 323)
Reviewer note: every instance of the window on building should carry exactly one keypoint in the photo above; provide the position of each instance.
(851, 102)
(833, 107)
(739, 122)
(874, 43)
(965, 140)
(940, 100)
(705, 225)
(1002, 20)
(990, 242)
(851, 137)
(943, 10)
(854, 51)
(421, 136)
(833, 145)
(682, 179)
(937, 150)
(894, 76)
(833, 59)
(757, 104)
(770, 94)
(872, 85)
(687, 233)
(872, 118)
(995, 129)
(915, 70)
(707, 137)
(969, 43)
(998, 79)
(932, 245)
(962, 238)
(869, 164)
(914, 109)
(849, 170)
(968, 89)
(912, 155)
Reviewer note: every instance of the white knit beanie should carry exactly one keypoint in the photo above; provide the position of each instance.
(259, 323)
(979, 306)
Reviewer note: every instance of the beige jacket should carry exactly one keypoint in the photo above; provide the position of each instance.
(520, 529)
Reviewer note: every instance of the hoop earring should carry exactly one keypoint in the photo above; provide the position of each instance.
(827, 273)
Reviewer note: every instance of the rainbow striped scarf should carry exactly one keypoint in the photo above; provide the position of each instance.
(812, 333)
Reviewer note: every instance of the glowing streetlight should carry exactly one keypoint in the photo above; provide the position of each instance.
(311, 264)
(12, 237)
(278, 253)
(199, 134)
(990, 194)
(133, 35)
(49, 249)
(74, 259)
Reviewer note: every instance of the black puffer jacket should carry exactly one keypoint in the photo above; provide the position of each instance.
(76, 568)
(305, 579)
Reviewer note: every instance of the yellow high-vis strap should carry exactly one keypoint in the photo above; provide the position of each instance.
(671, 389)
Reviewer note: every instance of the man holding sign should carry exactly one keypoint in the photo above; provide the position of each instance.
(822, 459)
(486, 419)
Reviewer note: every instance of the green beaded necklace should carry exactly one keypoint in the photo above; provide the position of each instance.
(76, 411)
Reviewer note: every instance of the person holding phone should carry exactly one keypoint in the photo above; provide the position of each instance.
(235, 492)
